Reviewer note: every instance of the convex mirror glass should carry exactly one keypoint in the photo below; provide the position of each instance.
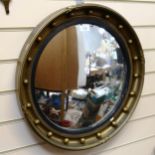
(80, 77)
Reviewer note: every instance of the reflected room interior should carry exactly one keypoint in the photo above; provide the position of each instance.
(80, 76)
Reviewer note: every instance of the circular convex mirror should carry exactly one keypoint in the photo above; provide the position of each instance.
(80, 76)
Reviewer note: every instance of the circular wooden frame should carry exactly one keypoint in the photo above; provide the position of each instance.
(24, 75)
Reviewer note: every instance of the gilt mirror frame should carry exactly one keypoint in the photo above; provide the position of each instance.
(83, 13)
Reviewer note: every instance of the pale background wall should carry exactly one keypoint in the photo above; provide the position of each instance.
(136, 138)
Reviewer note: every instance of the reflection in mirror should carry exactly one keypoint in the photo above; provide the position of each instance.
(80, 77)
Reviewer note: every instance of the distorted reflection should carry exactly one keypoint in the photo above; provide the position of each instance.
(80, 77)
